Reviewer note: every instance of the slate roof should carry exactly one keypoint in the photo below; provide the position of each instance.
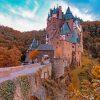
(54, 11)
(68, 14)
(33, 45)
(51, 12)
(45, 47)
(74, 38)
(65, 29)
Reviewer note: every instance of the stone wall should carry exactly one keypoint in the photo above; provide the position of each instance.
(23, 82)
(58, 67)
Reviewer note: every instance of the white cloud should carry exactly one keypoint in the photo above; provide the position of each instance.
(25, 12)
(24, 19)
(76, 12)
(84, 15)
(20, 23)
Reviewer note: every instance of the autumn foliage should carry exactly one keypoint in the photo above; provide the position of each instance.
(96, 71)
(91, 38)
(10, 38)
(22, 40)
(9, 57)
(33, 54)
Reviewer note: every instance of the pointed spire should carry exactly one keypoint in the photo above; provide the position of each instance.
(69, 14)
(57, 8)
(51, 11)
(68, 11)
(33, 45)
(54, 10)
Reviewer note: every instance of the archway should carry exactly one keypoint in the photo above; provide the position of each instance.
(33, 98)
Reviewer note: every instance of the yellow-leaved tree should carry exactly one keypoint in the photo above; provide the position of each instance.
(96, 71)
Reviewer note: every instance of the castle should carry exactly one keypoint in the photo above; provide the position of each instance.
(64, 33)
(63, 49)
(64, 41)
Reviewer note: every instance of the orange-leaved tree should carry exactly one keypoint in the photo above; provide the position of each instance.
(9, 57)
(33, 54)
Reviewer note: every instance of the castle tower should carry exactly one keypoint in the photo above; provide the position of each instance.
(65, 35)
(33, 46)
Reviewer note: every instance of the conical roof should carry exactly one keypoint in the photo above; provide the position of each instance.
(33, 45)
(69, 14)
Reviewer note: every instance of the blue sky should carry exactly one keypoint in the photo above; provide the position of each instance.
(26, 15)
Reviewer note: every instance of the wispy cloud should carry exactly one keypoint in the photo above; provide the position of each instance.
(32, 14)
(20, 23)
(76, 12)
(22, 19)
(24, 12)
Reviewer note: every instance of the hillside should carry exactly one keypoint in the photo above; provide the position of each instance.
(13, 39)
(10, 37)
(16, 41)
(91, 38)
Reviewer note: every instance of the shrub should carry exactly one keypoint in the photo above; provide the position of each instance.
(24, 84)
(7, 90)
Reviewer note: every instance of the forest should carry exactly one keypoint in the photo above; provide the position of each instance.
(14, 44)
(91, 38)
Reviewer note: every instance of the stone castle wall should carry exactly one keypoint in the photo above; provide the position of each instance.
(58, 67)
(26, 79)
